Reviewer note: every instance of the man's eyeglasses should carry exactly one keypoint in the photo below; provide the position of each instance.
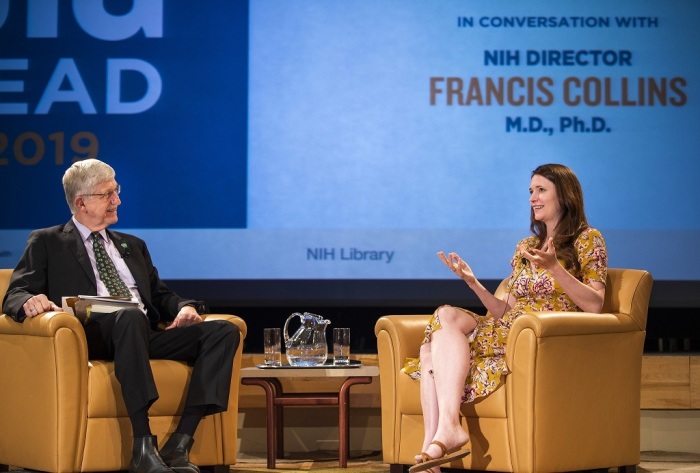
(106, 195)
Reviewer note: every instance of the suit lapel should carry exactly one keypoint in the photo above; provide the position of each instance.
(74, 243)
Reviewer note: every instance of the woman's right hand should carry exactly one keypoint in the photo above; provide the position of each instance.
(458, 266)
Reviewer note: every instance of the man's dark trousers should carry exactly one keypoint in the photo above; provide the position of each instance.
(126, 337)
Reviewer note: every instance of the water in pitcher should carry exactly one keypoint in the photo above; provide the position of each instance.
(307, 356)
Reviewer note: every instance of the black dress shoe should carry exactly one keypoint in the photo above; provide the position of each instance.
(145, 457)
(176, 453)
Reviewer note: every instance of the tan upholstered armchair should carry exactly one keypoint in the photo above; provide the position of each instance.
(571, 401)
(60, 412)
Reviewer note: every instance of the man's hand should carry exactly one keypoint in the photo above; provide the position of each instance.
(38, 304)
(187, 316)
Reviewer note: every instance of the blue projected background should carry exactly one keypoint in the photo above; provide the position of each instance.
(307, 140)
(157, 89)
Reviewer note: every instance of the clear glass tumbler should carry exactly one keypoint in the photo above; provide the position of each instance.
(272, 342)
(341, 346)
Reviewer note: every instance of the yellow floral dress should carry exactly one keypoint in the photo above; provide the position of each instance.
(535, 291)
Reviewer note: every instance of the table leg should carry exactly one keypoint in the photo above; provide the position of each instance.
(344, 417)
(279, 418)
(275, 401)
(271, 415)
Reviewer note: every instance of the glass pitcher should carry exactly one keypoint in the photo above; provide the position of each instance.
(308, 346)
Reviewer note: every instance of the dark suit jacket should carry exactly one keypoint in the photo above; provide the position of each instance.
(56, 263)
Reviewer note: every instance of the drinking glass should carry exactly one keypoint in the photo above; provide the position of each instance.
(272, 342)
(341, 346)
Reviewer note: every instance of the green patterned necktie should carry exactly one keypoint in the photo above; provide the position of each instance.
(107, 271)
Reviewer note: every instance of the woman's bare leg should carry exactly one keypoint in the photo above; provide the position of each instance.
(450, 358)
(428, 398)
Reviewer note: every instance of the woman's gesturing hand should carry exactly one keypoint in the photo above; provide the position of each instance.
(545, 258)
(458, 266)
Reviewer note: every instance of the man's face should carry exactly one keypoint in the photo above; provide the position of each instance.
(98, 209)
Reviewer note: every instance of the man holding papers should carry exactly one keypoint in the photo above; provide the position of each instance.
(84, 258)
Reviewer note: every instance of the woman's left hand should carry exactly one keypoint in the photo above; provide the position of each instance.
(545, 258)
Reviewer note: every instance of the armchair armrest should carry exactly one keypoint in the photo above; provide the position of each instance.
(544, 325)
(229, 418)
(45, 369)
(43, 325)
(405, 332)
(239, 322)
(398, 337)
(573, 372)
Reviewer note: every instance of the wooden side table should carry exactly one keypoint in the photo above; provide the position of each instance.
(276, 399)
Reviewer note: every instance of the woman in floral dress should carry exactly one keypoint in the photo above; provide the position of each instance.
(561, 267)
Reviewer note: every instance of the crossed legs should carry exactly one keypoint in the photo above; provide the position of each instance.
(444, 365)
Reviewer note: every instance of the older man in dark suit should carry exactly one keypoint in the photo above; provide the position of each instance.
(82, 257)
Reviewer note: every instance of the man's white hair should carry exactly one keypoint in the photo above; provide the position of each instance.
(82, 178)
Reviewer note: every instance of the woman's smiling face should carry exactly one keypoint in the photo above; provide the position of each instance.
(544, 201)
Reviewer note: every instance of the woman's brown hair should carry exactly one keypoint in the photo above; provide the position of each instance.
(573, 217)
